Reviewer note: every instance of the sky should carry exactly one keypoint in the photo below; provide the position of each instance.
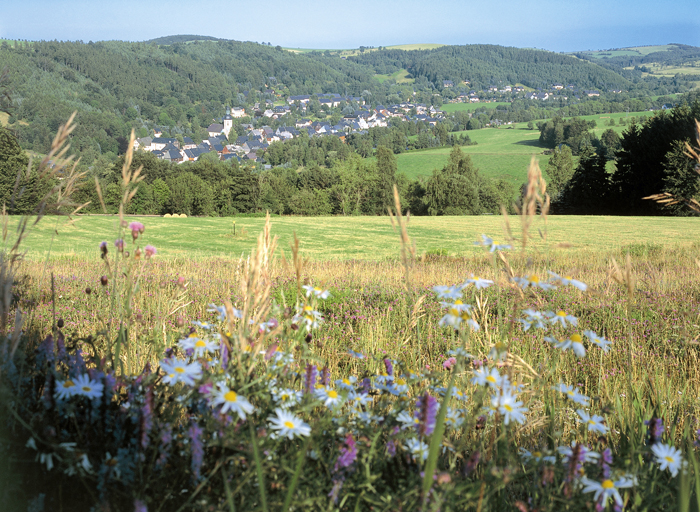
(556, 25)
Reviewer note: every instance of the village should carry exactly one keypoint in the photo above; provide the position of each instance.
(249, 147)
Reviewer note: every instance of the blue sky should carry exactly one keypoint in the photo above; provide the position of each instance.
(558, 25)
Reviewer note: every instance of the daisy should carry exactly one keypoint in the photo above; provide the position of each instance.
(588, 455)
(330, 397)
(561, 318)
(507, 404)
(85, 386)
(607, 488)
(536, 456)
(598, 340)
(418, 449)
(595, 422)
(231, 401)
(492, 245)
(359, 399)
(177, 370)
(456, 314)
(668, 457)
(287, 425)
(533, 318)
(533, 281)
(572, 394)
(286, 398)
(202, 325)
(398, 386)
(573, 342)
(454, 417)
(448, 292)
(356, 355)
(568, 281)
(316, 292)
(65, 388)
(460, 352)
(347, 382)
(485, 377)
(200, 346)
(311, 317)
(407, 420)
(478, 283)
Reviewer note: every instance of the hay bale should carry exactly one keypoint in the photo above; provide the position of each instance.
(183, 215)
(167, 216)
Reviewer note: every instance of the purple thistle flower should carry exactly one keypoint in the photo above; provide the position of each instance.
(426, 413)
(136, 229)
(195, 433)
(325, 376)
(310, 380)
(606, 460)
(119, 244)
(103, 248)
(224, 355)
(348, 454)
(150, 251)
(389, 367)
(655, 429)
(140, 506)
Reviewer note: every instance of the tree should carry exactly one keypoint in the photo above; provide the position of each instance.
(559, 170)
(386, 176)
(12, 162)
(681, 178)
(609, 143)
(588, 190)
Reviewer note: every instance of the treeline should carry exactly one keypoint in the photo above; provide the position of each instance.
(650, 158)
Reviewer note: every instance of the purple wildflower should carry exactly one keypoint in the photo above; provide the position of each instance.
(166, 437)
(103, 248)
(366, 386)
(310, 380)
(426, 413)
(195, 433)
(335, 491)
(140, 506)
(655, 429)
(472, 463)
(389, 367)
(606, 460)
(136, 229)
(147, 416)
(348, 454)
(119, 244)
(391, 445)
(150, 251)
(224, 355)
(325, 376)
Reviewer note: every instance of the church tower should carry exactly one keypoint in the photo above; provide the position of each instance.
(228, 122)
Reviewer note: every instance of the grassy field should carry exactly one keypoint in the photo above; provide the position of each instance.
(401, 77)
(355, 238)
(632, 51)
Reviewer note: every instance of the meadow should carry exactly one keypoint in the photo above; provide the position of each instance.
(554, 367)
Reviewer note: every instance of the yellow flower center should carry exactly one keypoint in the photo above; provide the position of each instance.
(533, 279)
(669, 459)
(192, 335)
(289, 424)
(308, 308)
(231, 396)
(68, 384)
(591, 422)
(458, 302)
(179, 370)
(200, 344)
(346, 381)
(570, 393)
(576, 338)
(454, 311)
(332, 394)
(561, 313)
(508, 408)
(607, 484)
(537, 455)
(400, 381)
(87, 389)
(491, 378)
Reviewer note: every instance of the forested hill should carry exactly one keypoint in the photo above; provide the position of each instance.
(182, 38)
(485, 65)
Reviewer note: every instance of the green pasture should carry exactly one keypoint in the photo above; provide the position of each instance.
(344, 238)
(400, 77)
(632, 51)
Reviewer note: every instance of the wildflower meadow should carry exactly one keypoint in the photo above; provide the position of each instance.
(524, 378)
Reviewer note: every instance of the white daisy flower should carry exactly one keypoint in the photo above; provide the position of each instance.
(448, 292)
(485, 377)
(533, 318)
(598, 340)
(286, 398)
(356, 355)
(65, 388)
(330, 397)
(478, 283)
(668, 457)
(347, 382)
(594, 423)
(568, 281)
(507, 404)
(492, 245)
(287, 425)
(311, 318)
(460, 352)
(316, 292)
(572, 394)
(229, 400)
(177, 370)
(397, 387)
(407, 420)
(221, 310)
(456, 314)
(200, 346)
(454, 417)
(573, 342)
(203, 325)
(359, 399)
(537, 456)
(589, 456)
(417, 449)
(562, 318)
(533, 281)
(85, 386)
(607, 488)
